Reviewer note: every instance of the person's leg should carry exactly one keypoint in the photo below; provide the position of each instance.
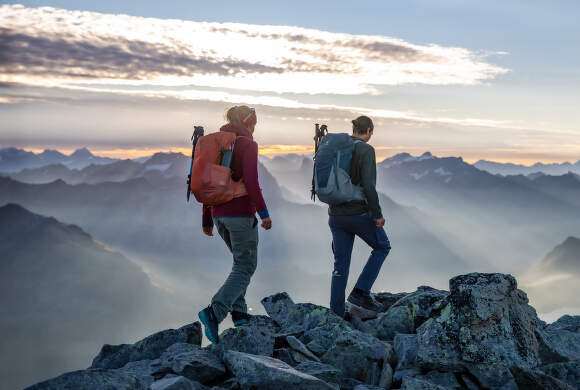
(376, 238)
(243, 234)
(342, 242)
(240, 304)
(223, 232)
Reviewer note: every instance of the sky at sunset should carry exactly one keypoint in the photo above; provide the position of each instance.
(489, 80)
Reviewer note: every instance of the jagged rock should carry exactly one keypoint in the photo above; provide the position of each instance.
(298, 357)
(316, 348)
(305, 316)
(405, 351)
(354, 354)
(445, 379)
(468, 383)
(405, 348)
(421, 303)
(265, 373)
(284, 355)
(395, 320)
(349, 384)
(256, 337)
(568, 372)
(363, 326)
(368, 387)
(410, 383)
(93, 379)
(399, 375)
(192, 362)
(231, 384)
(146, 370)
(176, 383)
(322, 371)
(486, 327)
(115, 356)
(537, 380)
(325, 335)
(278, 306)
(386, 378)
(560, 341)
(297, 345)
(386, 299)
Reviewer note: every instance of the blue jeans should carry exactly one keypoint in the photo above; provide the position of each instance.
(344, 229)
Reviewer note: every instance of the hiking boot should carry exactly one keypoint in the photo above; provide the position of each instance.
(239, 318)
(210, 323)
(363, 299)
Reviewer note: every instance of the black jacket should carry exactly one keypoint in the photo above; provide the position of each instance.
(363, 172)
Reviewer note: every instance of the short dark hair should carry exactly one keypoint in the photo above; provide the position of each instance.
(361, 124)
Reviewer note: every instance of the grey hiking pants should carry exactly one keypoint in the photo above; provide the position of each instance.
(241, 236)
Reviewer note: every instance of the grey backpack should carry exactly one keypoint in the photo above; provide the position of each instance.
(331, 181)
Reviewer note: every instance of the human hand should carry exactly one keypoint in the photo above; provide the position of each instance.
(381, 222)
(208, 230)
(267, 223)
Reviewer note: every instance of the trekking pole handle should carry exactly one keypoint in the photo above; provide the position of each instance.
(198, 132)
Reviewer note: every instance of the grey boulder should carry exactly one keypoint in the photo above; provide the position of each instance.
(396, 320)
(568, 372)
(192, 362)
(486, 326)
(151, 347)
(410, 383)
(537, 380)
(176, 383)
(421, 303)
(560, 341)
(256, 337)
(357, 355)
(257, 372)
(322, 371)
(93, 379)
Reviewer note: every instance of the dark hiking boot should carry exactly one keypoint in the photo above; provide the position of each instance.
(347, 317)
(210, 323)
(240, 318)
(363, 299)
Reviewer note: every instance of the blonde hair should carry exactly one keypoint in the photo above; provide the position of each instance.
(237, 114)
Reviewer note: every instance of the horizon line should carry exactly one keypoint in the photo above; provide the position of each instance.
(276, 150)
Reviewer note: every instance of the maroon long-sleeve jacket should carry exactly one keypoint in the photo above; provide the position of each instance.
(244, 166)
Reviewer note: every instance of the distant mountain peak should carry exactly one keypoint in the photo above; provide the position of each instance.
(572, 241)
(82, 152)
(564, 257)
(10, 209)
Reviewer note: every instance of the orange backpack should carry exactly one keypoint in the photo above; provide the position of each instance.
(211, 182)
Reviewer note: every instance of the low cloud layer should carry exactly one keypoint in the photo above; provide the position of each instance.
(48, 46)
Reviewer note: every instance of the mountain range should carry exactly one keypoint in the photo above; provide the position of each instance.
(444, 217)
(14, 160)
(519, 169)
(168, 164)
(62, 293)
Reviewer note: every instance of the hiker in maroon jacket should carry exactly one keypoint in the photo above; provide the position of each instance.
(237, 224)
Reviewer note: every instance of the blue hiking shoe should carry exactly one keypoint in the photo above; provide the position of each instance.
(210, 323)
(240, 318)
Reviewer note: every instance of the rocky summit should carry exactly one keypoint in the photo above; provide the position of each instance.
(481, 334)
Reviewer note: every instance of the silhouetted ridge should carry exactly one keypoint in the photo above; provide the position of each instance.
(565, 257)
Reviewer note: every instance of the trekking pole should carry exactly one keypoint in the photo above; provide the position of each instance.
(197, 133)
(319, 132)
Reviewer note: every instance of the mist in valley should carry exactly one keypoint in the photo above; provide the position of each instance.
(480, 223)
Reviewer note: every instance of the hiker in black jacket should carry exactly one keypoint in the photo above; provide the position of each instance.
(358, 218)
